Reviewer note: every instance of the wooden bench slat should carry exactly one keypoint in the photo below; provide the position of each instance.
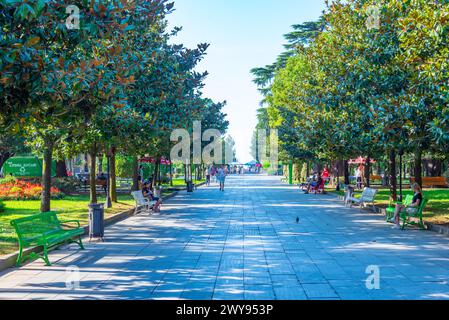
(432, 181)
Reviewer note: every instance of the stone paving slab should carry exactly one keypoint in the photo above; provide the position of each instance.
(243, 244)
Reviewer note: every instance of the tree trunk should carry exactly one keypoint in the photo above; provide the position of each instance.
(405, 172)
(46, 175)
(135, 174)
(156, 175)
(367, 171)
(61, 169)
(171, 174)
(393, 176)
(346, 172)
(386, 177)
(86, 163)
(113, 177)
(319, 167)
(93, 174)
(418, 166)
(100, 163)
(338, 176)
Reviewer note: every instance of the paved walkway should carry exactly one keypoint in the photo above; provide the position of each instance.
(244, 244)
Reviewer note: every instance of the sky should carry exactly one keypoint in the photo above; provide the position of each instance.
(242, 34)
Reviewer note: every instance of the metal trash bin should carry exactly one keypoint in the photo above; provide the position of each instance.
(96, 220)
(189, 186)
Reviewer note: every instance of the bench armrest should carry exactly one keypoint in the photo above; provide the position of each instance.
(143, 201)
(71, 221)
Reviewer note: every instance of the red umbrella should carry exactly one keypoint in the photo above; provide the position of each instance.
(165, 161)
(360, 160)
(153, 160)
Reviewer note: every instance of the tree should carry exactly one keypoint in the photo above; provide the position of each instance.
(350, 90)
(10, 145)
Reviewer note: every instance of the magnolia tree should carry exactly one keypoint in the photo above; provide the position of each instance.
(371, 82)
(95, 77)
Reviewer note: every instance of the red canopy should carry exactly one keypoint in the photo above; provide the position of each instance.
(360, 160)
(153, 160)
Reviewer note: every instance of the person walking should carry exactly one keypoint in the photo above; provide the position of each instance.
(221, 177)
(207, 173)
(358, 176)
(213, 173)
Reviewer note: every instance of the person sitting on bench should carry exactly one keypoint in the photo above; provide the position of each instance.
(103, 180)
(411, 209)
(305, 185)
(315, 184)
(146, 191)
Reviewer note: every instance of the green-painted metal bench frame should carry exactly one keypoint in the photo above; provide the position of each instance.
(406, 217)
(46, 230)
(391, 209)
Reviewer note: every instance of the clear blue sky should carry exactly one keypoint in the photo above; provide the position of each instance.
(242, 34)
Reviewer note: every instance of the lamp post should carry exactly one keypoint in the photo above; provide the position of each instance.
(401, 154)
(108, 203)
(290, 172)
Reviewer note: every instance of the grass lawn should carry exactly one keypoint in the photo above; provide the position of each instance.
(181, 183)
(437, 210)
(70, 208)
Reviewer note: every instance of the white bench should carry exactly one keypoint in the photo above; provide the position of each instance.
(142, 202)
(367, 197)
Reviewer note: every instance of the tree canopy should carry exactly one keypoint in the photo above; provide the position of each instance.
(117, 83)
(350, 90)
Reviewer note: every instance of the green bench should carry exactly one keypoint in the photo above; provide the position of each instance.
(407, 218)
(391, 209)
(46, 230)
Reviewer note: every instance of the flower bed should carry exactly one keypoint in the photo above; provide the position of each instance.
(22, 190)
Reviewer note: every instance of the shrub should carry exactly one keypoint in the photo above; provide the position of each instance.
(2, 206)
(266, 165)
(124, 167)
(8, 179)
(22, 190)
(67, 185)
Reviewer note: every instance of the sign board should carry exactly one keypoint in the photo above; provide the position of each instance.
(30, 167)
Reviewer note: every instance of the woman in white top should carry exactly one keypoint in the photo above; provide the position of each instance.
(358, 176)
